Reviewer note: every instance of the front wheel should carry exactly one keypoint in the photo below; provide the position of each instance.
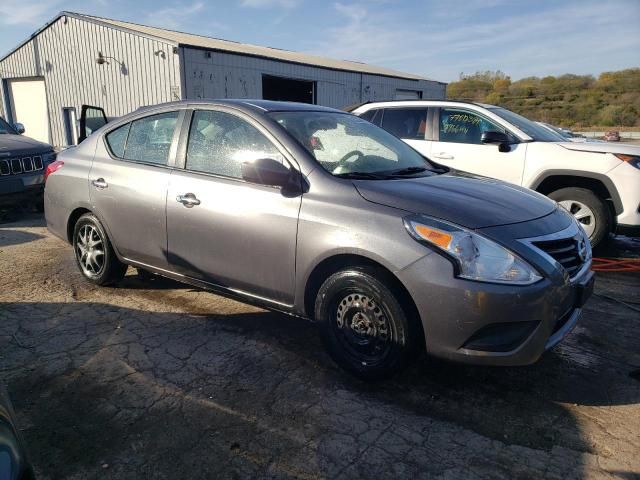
(364, 326)
(589, 209)
(94, 254)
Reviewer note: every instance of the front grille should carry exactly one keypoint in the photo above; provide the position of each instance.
(566, 252)
(16, 166)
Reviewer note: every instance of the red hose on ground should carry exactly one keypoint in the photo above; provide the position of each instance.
(616, 265)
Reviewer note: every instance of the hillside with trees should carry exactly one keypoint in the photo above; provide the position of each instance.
(576, 101)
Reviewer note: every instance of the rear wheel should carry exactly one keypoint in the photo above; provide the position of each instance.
(589, 209)
(364, 326)
(94, 254)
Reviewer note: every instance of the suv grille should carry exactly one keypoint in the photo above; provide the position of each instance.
(15, 166)
(570, 252)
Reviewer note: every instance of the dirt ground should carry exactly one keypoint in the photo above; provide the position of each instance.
(154, 379)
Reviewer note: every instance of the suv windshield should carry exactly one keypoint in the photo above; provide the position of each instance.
(5, 127)
(348, 146)
(535, 131)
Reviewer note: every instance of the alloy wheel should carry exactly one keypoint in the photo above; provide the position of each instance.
(583, 214)
(90, 251)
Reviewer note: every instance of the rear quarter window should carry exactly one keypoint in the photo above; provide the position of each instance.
(117, 140)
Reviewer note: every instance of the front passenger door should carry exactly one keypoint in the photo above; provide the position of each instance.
(223, 229)
(458, 145)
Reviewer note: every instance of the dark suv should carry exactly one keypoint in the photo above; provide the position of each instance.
(23, 161)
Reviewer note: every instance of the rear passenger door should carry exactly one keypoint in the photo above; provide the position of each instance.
(128, 184)
(221, 228)
(457, 144)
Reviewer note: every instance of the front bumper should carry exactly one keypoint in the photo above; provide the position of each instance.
(21, 189)
(626, 178)
(490, 324)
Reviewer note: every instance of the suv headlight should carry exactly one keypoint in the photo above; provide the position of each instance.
(633, 160)
(476, 257)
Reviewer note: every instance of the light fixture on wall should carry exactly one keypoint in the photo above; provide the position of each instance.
(102, 59)
(160, 53)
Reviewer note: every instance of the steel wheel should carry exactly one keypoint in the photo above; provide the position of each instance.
(583, 214)
(363, 329)
(90, 250)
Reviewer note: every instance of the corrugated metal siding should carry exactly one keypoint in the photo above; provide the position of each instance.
(64, 54)
(224, 75)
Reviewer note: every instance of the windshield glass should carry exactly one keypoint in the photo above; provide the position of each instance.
(346, 145)
(559, 131)
(5, 127)
(535, 131)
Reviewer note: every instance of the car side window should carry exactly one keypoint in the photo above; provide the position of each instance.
(406, 123)
(117, 139)
(374, 116)
(219, 143)
(464, 126)
(149, 138)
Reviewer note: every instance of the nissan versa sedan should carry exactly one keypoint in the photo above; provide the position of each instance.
(320, 214)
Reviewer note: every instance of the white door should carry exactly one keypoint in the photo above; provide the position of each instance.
(459, 146)
(29, 107)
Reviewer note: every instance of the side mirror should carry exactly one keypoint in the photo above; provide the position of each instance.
(496, 138)
(266, 171)
(19, 128)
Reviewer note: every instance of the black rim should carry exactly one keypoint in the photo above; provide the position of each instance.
(363, 327)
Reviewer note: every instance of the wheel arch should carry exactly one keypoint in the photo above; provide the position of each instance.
(600, 184)
(342, 261)
(73, 219)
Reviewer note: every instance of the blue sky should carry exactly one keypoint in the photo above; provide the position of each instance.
(435, 38)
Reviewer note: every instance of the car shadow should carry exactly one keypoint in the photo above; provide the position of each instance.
(9, 237)
(254, 394)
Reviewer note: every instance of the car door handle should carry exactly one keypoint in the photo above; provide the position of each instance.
(443, 156)
(99, 183)
(188, 200)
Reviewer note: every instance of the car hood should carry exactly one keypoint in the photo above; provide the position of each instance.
(464, 199)
(11, 144)
(602, 147)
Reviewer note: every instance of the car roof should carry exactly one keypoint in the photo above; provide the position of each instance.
(253, 105)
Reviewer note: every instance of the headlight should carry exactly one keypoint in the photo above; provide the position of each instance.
(476, 257)
(632, 160)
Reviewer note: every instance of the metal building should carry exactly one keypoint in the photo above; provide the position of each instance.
(79, 59)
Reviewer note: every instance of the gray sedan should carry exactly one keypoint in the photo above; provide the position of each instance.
(320, 214)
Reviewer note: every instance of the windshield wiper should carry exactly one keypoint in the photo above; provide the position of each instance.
(407, 171)
(363, 175)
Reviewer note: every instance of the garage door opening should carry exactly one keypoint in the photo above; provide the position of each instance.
(28, 102)
(288, 89)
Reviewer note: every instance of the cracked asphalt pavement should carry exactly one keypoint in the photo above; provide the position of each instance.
(154, 379)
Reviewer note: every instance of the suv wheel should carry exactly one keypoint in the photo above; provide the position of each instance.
(94, 254)
(363, 324)
(589, 209)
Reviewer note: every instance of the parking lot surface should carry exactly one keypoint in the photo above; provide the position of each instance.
(154, 379)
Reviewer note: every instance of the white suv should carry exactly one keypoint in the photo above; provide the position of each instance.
(598, 182)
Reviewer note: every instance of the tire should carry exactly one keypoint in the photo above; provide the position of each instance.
(94, 254)
(581, 201)
(384, 338)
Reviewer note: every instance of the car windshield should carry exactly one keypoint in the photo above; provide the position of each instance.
(559, 131)
(535, 131)
(348, 146)
(5, 127)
